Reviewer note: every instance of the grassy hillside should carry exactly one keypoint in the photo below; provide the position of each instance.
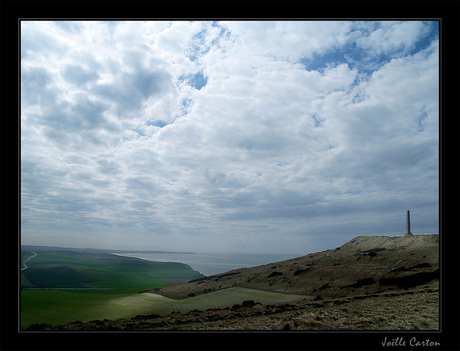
(364, 264)
(59, 287)
(370, 282)
(414, 309)
(83, 270)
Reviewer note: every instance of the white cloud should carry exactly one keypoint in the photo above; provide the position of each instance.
(118, 141)
(393, 37)
(289, 40)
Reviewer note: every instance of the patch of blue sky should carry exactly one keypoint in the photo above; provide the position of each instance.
(224, 32)
(139, 132)
(159, 123)
(364, 60)
(185, 103)
(432, 35)
(321, 62)
(198, 47)
(351, 54)
(185, 107)
(197, 80)
(318, 122)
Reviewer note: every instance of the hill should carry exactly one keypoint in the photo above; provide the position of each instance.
(412, 309)
(72, 269)
(365, 264)
(61, 286)
(369, 283)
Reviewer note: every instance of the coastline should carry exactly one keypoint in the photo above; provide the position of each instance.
(212, 263)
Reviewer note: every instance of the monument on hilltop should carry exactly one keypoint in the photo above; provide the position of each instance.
(408, 232)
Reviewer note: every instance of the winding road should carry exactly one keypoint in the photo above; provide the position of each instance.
(27, 260)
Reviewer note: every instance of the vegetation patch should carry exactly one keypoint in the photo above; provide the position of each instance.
(412, 280)
(111, 278)
(274, 274)
(360, 283)
(228, 274)
(58, 277)
(300, 271)
(409, 310)
(300, 280)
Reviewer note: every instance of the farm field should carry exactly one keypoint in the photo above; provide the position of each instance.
(60, 287)
(59, 306)
(83, 270)
(64, 287)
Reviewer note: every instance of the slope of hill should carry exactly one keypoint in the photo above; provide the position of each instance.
(369, 283)
(58, 287)
(72, 269)
(365, 264)
(413, 309)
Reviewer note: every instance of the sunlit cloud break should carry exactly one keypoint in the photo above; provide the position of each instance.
(234, 136)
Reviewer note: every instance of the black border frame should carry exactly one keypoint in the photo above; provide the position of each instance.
(447, 12)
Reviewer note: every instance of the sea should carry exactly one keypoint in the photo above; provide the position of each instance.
(212, 263)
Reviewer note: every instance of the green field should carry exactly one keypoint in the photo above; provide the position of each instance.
(83, 270)
(61, 287)
(58, 307)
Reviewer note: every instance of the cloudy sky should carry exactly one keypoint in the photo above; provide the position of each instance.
(240, 136)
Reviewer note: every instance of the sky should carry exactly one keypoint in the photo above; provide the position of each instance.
(230, 136)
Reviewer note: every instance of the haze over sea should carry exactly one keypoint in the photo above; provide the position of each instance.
(212, 263)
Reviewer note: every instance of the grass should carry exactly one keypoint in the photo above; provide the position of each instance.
(78, 270)
(222, 299)
(25, 255)
(53, 280)
(331, 274)
(346, 270)
(411, 311)
(112, 278)
(416, 309)
(60, 306)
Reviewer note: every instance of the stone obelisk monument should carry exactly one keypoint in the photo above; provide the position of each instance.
(408, 224)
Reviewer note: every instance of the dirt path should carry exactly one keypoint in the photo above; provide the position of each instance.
(27, 260)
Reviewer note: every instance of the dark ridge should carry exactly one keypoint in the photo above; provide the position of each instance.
(300, 271)
(410, 281)
(248, 303)
(274, 274)
(360, 283)
(148, 316)
(422, 265)
(198, 280)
